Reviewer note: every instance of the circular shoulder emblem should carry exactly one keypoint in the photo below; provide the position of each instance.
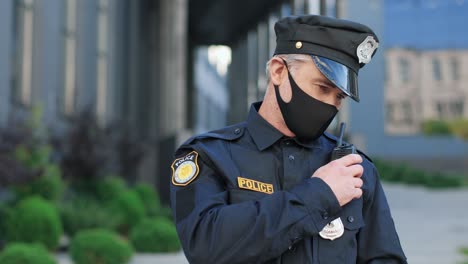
(185, 169)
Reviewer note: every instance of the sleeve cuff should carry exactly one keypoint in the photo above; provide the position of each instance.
(320, 201)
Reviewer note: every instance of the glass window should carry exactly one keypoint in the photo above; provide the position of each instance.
(331, 8)
(440, 110)
(407, 117)
(454, 65)
(404, 70)
(390, 116)
(436, 70)
(457, 109)
(286, 10)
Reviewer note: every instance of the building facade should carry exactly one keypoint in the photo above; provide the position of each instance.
(424, 85)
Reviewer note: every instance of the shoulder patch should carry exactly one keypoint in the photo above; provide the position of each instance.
(185, 169)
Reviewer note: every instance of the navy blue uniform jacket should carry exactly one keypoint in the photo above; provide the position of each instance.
(253, 201)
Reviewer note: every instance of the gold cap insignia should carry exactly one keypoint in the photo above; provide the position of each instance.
(185, 169)
(298, 45)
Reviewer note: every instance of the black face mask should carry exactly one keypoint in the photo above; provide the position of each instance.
(304, 115)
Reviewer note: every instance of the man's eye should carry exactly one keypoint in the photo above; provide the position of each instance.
(324, 89)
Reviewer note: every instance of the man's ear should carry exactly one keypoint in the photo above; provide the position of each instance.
(277, 70)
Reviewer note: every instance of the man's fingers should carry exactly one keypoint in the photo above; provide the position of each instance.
(355, 170)
(358, 193)
(358, 182)
(350, 159)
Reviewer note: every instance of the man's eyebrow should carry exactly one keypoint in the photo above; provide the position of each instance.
(323, 80)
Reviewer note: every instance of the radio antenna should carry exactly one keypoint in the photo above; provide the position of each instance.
(342, 129)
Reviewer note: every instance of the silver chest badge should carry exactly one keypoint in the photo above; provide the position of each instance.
(366, 48)
(333, 230)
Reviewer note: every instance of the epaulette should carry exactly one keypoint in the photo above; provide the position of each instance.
(228, 133)
(335, 139)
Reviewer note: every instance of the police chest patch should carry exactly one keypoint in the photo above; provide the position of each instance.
(185, 169)
(256, 186)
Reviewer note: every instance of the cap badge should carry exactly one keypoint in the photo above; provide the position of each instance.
(185, 169)
(333, 230)
(366, 48)
(298, 45)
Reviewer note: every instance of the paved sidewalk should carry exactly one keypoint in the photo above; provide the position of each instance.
(432, 226)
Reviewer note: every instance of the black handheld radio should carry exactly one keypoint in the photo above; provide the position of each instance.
(342, 149)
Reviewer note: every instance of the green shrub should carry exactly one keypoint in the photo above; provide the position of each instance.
(86, 213)
(436, 127)
(130, 209)
(4, 212)
(34, 220)
(109, 188)
(149, 197)
(464, 251)
(155, 235)
(19, 253)
(439, 180)
(99, 247)
(48, 185)
(460, 128)
(412, 176)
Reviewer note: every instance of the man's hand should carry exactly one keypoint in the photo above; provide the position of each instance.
(344, 177)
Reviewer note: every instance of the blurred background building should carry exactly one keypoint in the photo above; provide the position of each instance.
(171, 68)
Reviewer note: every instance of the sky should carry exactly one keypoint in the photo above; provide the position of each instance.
(426, 24)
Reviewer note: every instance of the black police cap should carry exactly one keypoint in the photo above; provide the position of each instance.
(333, 42)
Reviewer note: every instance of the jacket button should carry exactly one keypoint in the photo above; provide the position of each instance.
(325, 216)
(291, 157)
(350, 219)
(237, 131)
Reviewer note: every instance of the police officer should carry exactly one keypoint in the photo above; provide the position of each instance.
(265, 190)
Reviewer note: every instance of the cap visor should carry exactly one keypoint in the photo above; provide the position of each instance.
(341, 76)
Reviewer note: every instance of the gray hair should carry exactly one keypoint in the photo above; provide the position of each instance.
(291, 60)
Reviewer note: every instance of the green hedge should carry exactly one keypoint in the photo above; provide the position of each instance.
(129, 209)
(436, 127)
(83, 212)
(19, 253)
(155, 235)
(464, 251)
(406, 174)
(457, 128)
(34, 220)
(109, 188)
(149, 197)
(99, 247)
(460, 128)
